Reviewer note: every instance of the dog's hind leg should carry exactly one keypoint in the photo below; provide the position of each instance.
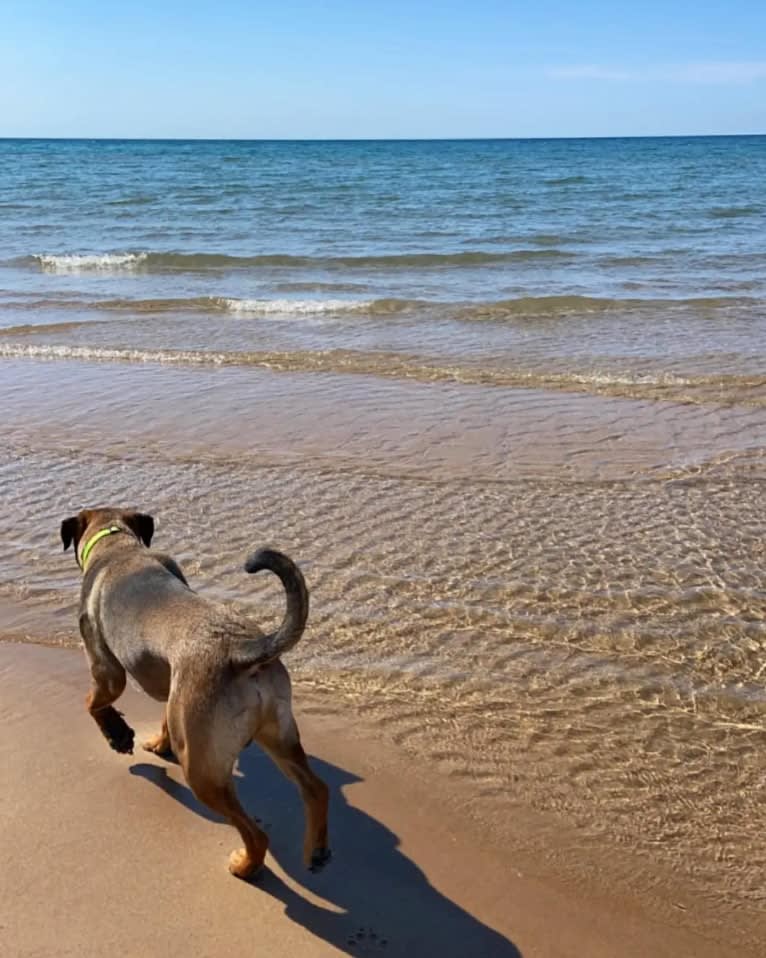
(108, 684)
(208, 760)
(222, 798)
(281, 740)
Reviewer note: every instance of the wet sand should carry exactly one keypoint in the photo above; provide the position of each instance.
(111, 854)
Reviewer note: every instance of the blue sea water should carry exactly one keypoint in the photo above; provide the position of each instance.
(643, 249)
(456, 220)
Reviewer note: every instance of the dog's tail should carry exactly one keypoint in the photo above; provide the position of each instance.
(271, 646)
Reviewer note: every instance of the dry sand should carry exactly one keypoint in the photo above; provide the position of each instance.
(111, 855)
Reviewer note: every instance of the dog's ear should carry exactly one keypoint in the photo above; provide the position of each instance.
(72, 530)
(142, 524)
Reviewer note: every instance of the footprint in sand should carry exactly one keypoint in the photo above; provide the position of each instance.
(366, 941)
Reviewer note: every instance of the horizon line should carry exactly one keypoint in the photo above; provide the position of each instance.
(380, 139)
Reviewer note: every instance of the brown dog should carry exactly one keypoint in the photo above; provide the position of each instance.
(219, 674)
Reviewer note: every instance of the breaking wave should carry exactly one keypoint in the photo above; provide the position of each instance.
(197, 262)
(520, 308)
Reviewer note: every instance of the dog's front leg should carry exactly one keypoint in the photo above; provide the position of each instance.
(108, 685)
(106, 689)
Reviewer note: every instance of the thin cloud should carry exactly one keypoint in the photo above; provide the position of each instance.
(591, 71)
(722, 72)
(703, 72)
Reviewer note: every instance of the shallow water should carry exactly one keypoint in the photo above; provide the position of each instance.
(503, 401)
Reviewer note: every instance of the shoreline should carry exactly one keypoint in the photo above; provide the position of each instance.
(413, 865)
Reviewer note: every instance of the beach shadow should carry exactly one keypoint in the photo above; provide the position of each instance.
(388, 905)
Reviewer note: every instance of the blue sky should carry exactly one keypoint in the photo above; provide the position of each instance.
(386, 69)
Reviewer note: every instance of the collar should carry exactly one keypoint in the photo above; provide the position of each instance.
(87, 548)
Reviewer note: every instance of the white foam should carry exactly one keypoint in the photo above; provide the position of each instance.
(75, 263)
(626, 379)
(13, 350)
(293, 307)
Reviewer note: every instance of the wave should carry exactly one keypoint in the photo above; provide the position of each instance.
(734, 212)
(222, 304)
(140, 200)
(632, 260)
(318, 286)
(538, 239)
(566, 180)
(36, 329)
(199, 262)
(520, 310)
(257, 307)
(76, 262)
(719, 390)
(312, 307)
(553, 306)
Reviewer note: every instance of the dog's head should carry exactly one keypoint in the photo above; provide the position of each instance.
(88, 522)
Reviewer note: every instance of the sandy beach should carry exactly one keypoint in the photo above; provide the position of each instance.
(111, 854)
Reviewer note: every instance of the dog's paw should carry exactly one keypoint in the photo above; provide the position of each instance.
(117, 732)
(158, 746)
(241, 865)
(366, 941)
(124, 742)
(319, 858)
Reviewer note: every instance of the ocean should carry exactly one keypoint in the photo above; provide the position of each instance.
(505, 401)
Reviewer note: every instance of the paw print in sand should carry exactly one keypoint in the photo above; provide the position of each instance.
(366, 941)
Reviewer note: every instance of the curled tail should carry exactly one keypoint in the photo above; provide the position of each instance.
(264, 649)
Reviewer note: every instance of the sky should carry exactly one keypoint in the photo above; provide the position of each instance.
(255, 69)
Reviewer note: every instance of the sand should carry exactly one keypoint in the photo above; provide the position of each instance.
(107, 854)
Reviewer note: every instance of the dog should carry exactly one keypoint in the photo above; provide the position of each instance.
(221, 677)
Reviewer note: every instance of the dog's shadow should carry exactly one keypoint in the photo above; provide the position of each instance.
(389, 907)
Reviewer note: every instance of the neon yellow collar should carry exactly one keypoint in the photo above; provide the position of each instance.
(86, 549)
